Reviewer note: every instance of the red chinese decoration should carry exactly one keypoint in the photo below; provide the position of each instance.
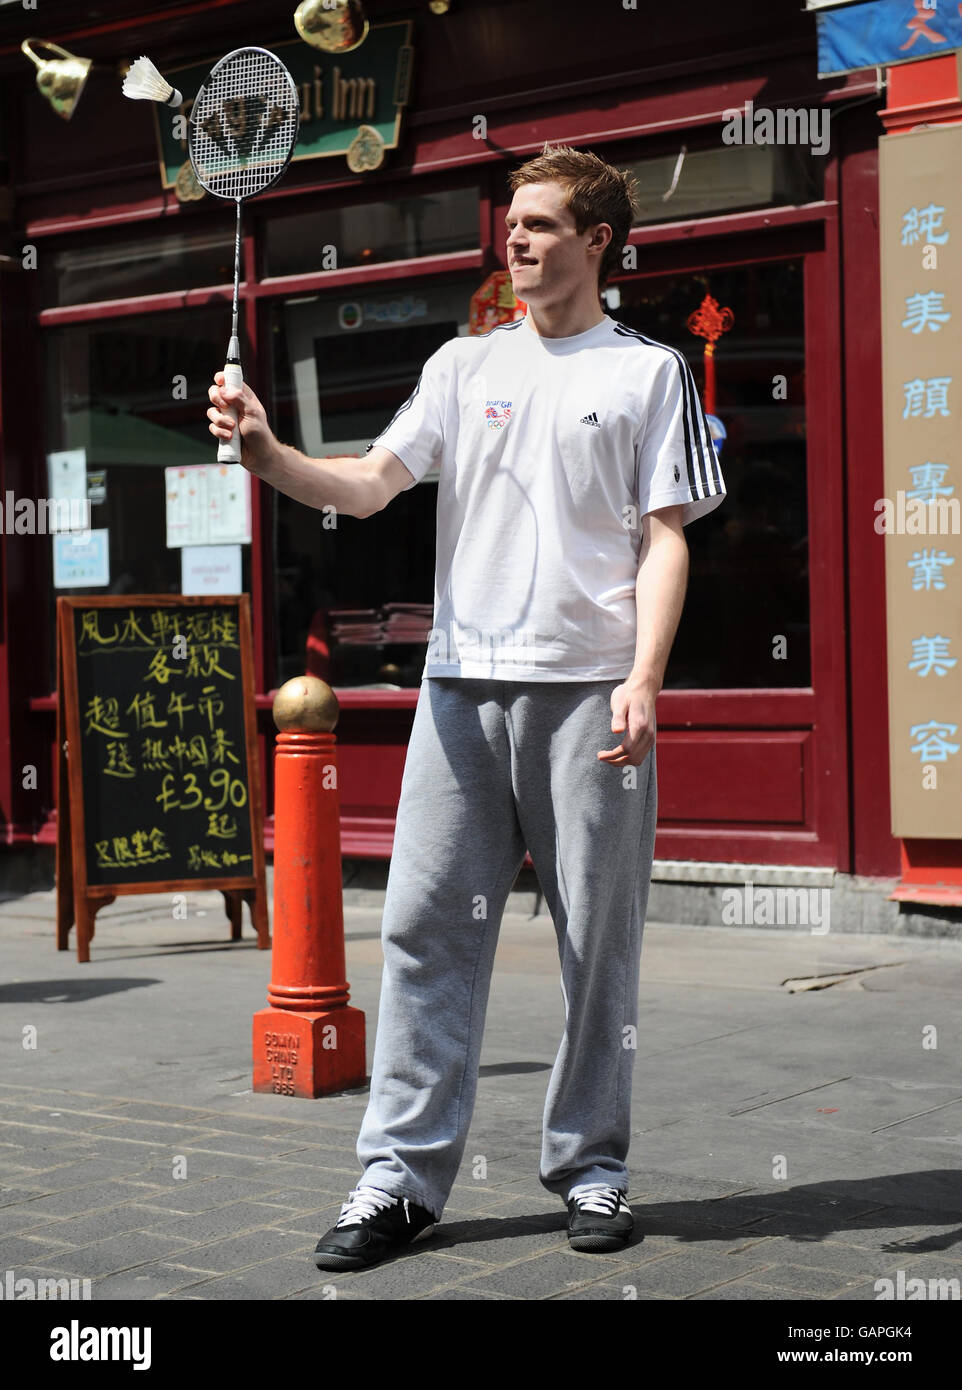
(710, 321)
(494, 303)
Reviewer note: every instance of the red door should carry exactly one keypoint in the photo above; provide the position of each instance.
(752, 746)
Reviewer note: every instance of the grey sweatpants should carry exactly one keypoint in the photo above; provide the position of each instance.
(494, 767)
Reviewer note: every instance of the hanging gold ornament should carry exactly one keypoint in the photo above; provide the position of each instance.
(187, 188)
(366, 150)
(60, 80)
(337, 26)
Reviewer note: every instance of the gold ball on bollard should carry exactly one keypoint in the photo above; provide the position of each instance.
(307, 705)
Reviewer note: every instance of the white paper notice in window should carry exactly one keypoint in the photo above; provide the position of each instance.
(67, 486)
(208, 504)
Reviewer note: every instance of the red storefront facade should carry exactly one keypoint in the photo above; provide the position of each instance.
(773, 723)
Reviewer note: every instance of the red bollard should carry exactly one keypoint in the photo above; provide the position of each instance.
(309, 1041)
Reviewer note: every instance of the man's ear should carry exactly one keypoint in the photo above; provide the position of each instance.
(600, 236)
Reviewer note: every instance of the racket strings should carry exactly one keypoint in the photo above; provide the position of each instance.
(243, 125)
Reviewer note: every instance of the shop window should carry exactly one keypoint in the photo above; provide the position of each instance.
(123, 269)
(428, 224)
(746, 618)
(355, 602)
(132, 395)
(731, 178)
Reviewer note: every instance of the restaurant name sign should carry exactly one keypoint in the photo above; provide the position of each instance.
(347, 99)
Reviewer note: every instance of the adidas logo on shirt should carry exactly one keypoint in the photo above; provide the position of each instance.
(591, 419)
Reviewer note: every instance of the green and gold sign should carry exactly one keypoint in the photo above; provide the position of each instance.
(340, 93)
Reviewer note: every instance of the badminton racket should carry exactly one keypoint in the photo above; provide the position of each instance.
(241, 134)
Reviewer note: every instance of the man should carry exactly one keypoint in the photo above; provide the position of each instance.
(573, 451)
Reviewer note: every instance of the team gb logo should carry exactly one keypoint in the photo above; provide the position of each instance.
(497, 414)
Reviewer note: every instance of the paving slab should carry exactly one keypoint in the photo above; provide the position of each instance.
(204, 1193)
(142, 1282)
(31, 1249)
(74, 1201)
(411, 1275)
(805, 1281)
(236, 1218)
(741, 1290)
(269, 1279)
(235, 1252)
(692, 1271)
(117, 1253)
(546, 1275)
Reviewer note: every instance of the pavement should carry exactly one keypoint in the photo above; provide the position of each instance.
(797, 1125)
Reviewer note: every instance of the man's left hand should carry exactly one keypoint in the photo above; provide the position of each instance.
(633, 716)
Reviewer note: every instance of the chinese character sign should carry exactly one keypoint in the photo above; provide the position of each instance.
(921, 245)
(882, 32)
(160, 695)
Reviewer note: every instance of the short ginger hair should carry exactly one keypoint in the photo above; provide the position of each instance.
(594, 191)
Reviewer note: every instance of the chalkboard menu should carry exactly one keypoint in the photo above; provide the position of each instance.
(157, 734)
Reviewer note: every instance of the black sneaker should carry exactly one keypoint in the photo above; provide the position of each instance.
(372, 1223)
(599, 1218)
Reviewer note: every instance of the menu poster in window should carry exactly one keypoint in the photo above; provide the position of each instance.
(919, 516)
(156, 707)
(208, 504)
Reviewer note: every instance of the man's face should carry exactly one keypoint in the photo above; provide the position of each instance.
(547, 257)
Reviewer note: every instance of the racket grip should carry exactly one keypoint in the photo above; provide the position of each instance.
(229, 450)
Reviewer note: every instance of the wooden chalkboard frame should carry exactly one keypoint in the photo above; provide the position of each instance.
(79, 901)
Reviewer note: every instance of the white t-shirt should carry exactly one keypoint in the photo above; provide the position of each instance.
(551, 451)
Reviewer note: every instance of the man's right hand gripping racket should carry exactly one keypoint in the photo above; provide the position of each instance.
(242, 131)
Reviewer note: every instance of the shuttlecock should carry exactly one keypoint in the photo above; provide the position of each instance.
(144, 83)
